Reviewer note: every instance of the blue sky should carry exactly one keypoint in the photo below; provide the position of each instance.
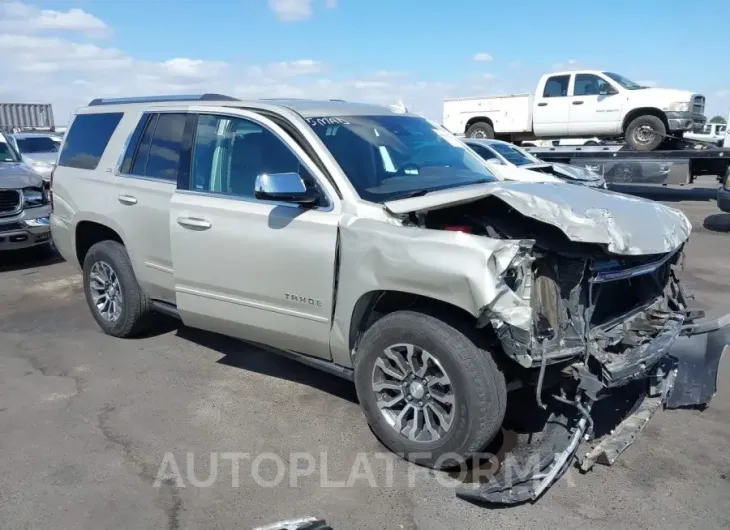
(68, 52)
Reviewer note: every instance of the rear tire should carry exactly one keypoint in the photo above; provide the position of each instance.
(476, 387)
(480, 129)
(108, 275)
(645, 133)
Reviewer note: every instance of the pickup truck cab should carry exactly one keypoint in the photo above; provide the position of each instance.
(578, 104)
(713, 133)
(370, 243)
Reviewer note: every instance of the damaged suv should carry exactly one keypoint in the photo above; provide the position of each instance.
(370, 243)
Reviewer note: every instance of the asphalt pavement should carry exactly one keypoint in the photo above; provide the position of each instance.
(102, 433)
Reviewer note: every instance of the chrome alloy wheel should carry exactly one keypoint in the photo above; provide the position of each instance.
(106, 292)
(413, 392)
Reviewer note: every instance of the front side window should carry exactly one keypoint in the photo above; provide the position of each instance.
(394, 156)
(229, 153)
(621, 80)
(87, 139)
(589, 85)
(556, 86)
(721, 129)
(36, 144)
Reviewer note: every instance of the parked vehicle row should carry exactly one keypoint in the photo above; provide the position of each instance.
(577, 104)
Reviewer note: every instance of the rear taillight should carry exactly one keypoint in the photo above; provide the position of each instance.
(458, 228)
(50, 188)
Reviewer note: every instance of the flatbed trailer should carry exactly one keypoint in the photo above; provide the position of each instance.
(621, 165)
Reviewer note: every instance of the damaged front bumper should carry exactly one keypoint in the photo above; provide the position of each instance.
(678, 368)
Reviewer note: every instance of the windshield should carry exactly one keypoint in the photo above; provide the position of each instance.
(621, 80)
(37, 144)
(392, 157)
(513, 155)
(7, 152)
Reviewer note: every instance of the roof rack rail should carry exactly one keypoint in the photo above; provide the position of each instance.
(158, 99)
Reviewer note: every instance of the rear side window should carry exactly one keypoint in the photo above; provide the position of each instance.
(133, 143)
(556, 86)
(158, 153)
(87, 139)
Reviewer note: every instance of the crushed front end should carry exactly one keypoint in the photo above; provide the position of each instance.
(608, 333)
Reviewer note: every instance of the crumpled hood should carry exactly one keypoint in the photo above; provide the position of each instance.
(15, 175)
(626, 225)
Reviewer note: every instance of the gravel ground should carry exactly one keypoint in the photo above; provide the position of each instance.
(86, 422)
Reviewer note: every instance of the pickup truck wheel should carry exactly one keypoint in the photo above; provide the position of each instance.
(645, 133)
(480, 129)
(115, 298)
(428, 390)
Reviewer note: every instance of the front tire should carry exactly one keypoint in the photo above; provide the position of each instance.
(480, 129)
(645, 133)
(115, 299)
(429, 391)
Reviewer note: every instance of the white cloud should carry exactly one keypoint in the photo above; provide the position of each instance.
(41, 66)
(296, 10)
(17, 17)
(570, 64)
(483, 57)
(193, 68)
(295, 68)
(723, 93)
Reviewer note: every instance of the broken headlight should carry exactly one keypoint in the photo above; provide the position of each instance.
(545, 308)
(34, 197)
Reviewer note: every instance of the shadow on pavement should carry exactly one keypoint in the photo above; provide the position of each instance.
(718, 222)
(14, 260)
(660, 193)
(240, 354)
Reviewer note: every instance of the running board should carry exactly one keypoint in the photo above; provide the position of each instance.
(314, 362)
(166, 309)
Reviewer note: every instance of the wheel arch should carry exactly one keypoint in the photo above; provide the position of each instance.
(478, 119)
(89, 232)
(644, 111)
(373, 305)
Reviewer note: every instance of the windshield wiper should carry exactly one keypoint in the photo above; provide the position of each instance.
(421, 193)
(410, 195)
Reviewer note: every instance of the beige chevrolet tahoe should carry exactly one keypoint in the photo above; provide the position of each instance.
(370, 243)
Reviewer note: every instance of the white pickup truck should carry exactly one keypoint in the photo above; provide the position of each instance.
(578, 104)
(713, 133)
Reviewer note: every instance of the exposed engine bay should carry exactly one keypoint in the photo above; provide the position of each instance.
(602, 325)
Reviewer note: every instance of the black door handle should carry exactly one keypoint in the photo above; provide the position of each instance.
(577, 103)
(542, 104)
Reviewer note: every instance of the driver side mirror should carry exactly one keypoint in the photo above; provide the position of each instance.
(284, 187)
(607, 90)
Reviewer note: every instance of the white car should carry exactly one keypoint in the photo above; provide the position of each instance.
(499, 154)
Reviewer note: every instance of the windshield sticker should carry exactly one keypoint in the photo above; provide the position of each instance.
(323, 122)
(448, 137)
